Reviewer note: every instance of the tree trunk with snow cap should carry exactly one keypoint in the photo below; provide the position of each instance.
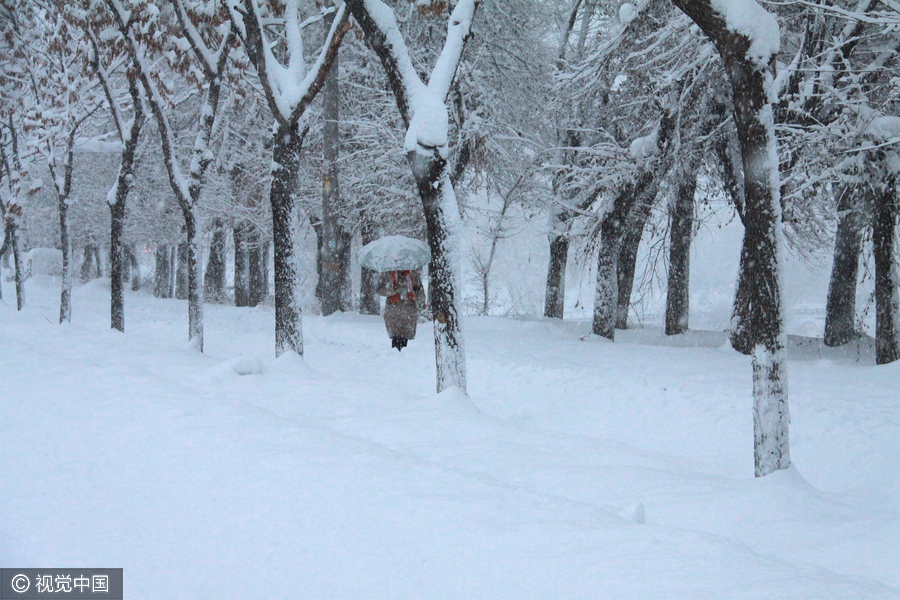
(424, 111)
(747, 38)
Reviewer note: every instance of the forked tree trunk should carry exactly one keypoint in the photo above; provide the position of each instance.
(629, 205)
(752, 81)
(887, 285)
(214, 278)
(288, 141)
(840, 307)
(681, 229)
(429, 168)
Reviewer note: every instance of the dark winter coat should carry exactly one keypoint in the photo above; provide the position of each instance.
(403, 290)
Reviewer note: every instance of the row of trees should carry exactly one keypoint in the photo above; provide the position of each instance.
(604, 116)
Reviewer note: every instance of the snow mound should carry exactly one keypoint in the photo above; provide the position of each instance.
(291, 364)
(634, 512)
(240, 365)
(456, 401)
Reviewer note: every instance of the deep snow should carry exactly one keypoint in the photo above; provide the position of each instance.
(574, 469)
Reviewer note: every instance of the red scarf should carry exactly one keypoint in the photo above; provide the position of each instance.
(410, 293)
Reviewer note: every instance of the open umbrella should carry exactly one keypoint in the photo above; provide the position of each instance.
(394, 253)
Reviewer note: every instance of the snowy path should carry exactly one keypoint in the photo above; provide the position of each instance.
(345, 476)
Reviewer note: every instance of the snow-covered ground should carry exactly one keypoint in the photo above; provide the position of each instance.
(574, 469)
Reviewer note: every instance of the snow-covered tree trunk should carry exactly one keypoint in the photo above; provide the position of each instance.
(257, 284)
(212, 65)
(241, 273)
(18, 266)
(181, 271)
(4, 247)
(288, 312)
(62, 182)
(12, 209)
(124, 179)
(747, 38)
(840, 307)
(195, 283)
(117, 215)
(424, 111)
(65, 296)
(11, 244)
(680, 231)
(627, 261)
(741, 335)
(606, 292)
(555, 295)
(161, 287)
(134, 268)
(887, 284)
(442, 223)
(369, 303)
(117, 265)
(633, 197)
(333, 273)
(214, 277)
(289, 90)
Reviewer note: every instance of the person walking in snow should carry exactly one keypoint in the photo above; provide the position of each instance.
(404, 291)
